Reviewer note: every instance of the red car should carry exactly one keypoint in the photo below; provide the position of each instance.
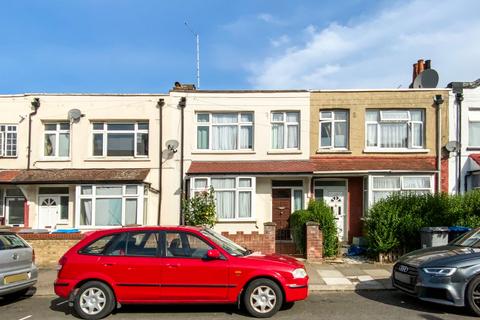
(174, 265)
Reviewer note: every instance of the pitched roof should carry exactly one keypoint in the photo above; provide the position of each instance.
(475, 157)
(363, 163)
(226, 167)
(72, 175)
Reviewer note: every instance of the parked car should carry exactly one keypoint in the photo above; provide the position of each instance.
(18, 272)
(448, 275)
(139, 265)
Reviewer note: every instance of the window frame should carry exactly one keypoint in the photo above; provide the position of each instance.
(57, 133)
(105, 131)
(333, 121)
(94, 196)
(7, 129)
(237, 190)
(285, 123)
(409, 124)
(210, 126)
(473, 117)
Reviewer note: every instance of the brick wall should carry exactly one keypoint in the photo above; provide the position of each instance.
(444, 182)
(314, 240)
(49, 248)
(255, 241)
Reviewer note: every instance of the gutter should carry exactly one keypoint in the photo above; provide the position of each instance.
(160, 104)
(35, 105)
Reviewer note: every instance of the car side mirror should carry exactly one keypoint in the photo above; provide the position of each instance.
(213, 254)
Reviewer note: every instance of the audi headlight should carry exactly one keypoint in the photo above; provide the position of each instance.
(299, 273)
(440, 272)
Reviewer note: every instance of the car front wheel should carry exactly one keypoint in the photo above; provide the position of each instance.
(263, 298)
(95, 300)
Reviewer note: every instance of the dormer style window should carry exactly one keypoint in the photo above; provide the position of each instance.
(8, 140)
(395, 129)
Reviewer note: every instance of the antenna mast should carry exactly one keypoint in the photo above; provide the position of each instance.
(197, 38)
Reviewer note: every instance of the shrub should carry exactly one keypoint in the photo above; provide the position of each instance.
(319, 212)
(200, 209)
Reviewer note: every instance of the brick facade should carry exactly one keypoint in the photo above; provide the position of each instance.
(314, 245)
(255, 241)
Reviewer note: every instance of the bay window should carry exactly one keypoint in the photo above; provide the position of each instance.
(395, 129)
(285, 130)
(334, 129)
(120, 139)
(8, 140)
(56, 140)
(384, 186)
(233, 195)
(109, 205)
(224, 131)
(474, 128)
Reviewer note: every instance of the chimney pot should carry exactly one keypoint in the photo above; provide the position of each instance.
(420, 66)
(428, 64)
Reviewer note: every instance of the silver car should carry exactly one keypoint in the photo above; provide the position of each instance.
(18, 272)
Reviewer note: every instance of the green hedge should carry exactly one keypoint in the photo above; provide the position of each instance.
(394, 224)
(319, 212)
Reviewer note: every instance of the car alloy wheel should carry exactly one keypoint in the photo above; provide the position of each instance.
(92, 301)
(263, 299)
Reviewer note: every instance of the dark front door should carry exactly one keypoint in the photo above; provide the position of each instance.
(281, 210)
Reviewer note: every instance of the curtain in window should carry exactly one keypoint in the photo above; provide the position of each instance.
(417, 135)
(200, 184)
(225, 204)
(244, 204)
(393, 135)
(85, 212)
(130, 211)
(277, 136)
(50, 144)
(108, 212)
(416, 182)
(292, 132)
(379, 195)
(372, 115)
(223, 183)
(224, 137)
(340, 138)
(292, 117)
(246, 137)
(2, 143)
(142, 144)
(371, 135)
(474, 134)
(297, 200)
(202, 137)
(63, 144)
(386, 182)
(394, 114)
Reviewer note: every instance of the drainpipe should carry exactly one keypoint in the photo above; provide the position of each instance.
(160, 104)
(459, 99)
(35, 106)
(182, 105)
(438, 101)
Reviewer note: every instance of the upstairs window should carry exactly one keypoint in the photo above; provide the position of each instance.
(395, 129)
(474, 128)
(120, 139)
(285, 130)
(56, 140)
(224, 131)
(334, 129)
(8, 140)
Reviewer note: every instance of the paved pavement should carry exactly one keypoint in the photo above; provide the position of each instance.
(323, 277)
(359, 305)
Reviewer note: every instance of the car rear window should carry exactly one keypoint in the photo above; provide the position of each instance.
(11, 241)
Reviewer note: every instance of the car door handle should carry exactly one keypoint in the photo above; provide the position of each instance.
(172, 265)
(109, 264)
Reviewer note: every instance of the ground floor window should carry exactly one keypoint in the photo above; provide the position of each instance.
(234, 196)
(109, 205)
(383, 186)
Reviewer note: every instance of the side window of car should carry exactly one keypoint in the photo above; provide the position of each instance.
(185, 245)
(103, 246)
(142, 244)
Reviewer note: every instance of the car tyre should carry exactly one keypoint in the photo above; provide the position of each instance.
(473, 295)
(94, 300)
(262, 298)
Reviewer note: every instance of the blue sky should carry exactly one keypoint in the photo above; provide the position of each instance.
(143, 46)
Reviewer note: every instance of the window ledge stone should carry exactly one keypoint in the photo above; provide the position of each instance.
(115, 159)
(335, 151)
(282, 151)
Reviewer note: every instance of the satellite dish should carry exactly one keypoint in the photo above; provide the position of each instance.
(74, 115)
(172, 145)
(426, 79)
(452, 146)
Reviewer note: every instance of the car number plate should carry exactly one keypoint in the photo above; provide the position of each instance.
(15, 278)
(402, 277)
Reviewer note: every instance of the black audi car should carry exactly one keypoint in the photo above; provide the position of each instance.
(448, 275)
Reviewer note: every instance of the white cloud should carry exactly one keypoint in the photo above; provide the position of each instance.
(280, 41)
(378, 52)
(268, 18)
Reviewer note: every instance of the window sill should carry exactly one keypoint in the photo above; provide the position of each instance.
(117, 159)
(237, 221)
(336, 151)
(223, 152)
(396, 150)
(473, 148)
(284, 151)
(54, 160)
(8, 157)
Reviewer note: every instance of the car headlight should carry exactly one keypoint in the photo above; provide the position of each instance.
(299, 273)
(440, 272)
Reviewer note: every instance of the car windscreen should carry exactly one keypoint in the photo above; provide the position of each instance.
(469, 239)
(11, 241)
(227, 244)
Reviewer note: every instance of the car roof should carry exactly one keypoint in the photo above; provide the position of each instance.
(146, 228)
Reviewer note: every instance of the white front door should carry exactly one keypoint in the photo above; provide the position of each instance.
(334, 197)
(48, 212)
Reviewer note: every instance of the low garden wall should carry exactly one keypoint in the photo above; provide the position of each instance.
(255, 241)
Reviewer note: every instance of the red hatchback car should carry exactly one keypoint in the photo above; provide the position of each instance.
(174, 265)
